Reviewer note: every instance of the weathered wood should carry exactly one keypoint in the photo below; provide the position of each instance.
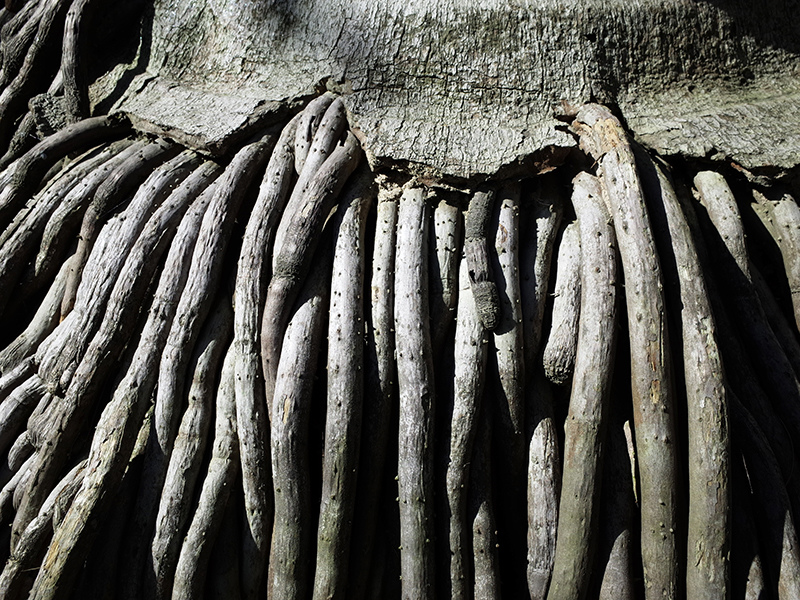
(476, 253)
(11, 378)
(415, 386)
(725, 236)
(195, 302)
(585, 427)
(214, 501)
(379, 401)
(16, 36)
(345, 394)
(544, 487)
(445, 253)
(15, 580)
(188, 450)
(251, 281)
(485, 557)
(73, 60)
(559, 351)
(20, 451)
(326, 139)
(36, 70)
(617, 546)
(307, 127)
(291, 557)
(508, 409)
(115, 189)
(28, 170)
(17, 407)
(541, 217)
(293, 257)
(62, 227)
(783, 215)
(708, 541)
(113, 276)
(653, 398)
(128, 406)
(471, 351)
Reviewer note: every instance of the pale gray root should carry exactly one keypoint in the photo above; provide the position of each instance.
(604, 139)
(379, 399)
(486, 583)
(20, 451)
(100, 574)
(60, 354)
(141, 378)
(307, 127)
(16, 408)
(783, 214)
(17, 35)
(42, 324)
(73, 59)
(16, 578)
(544, 487)
(7, 505)
(25, 174)
(92, 351)
(62, 227)
(38, 421)
(559, 351)
(34, 70)
(617, 543)
(541, 218)
(214, 500)
(188, 450)
(476, 253)
(471, 352)
(113, 191)
(725, 235)
(251, 282)
(709, 533)
(291, 556)
(445, 252)
(115, 439)
(292, 258)
(31, 219)
(508, 406)
(415, 386)
(327, 138)
(777, 530)
(345, 393)
(196, 300)
(20, 371)
(129, 403)
(586, 422)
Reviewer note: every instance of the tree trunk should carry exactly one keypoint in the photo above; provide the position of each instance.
(335, 231)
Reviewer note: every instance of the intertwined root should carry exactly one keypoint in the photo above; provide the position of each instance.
(286, 373)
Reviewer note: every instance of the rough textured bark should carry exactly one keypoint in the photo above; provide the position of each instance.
(653, 399)
(709, 526)
(415, 387)
(345, 395)
(585, 427)
(561, 346)
(471, 350)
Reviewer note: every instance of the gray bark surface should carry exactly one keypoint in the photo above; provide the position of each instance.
(451, 97)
